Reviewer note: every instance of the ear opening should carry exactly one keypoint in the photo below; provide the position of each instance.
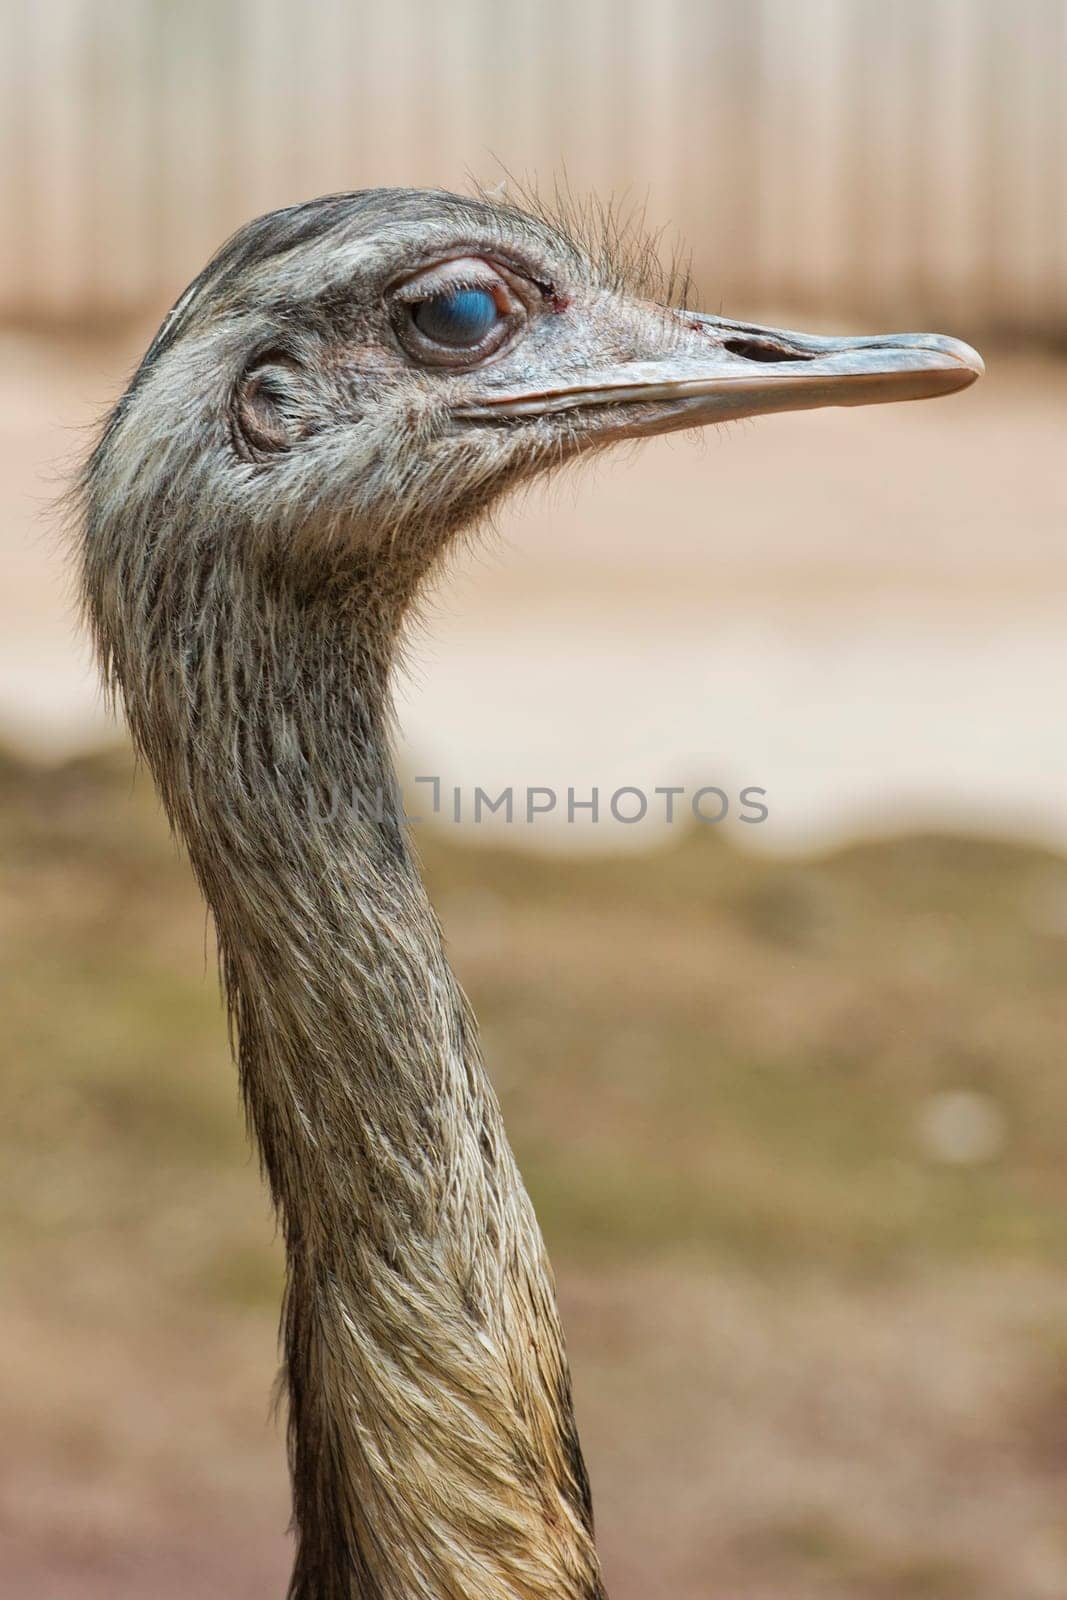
(270, 406)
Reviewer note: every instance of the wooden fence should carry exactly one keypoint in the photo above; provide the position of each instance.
(886, 158)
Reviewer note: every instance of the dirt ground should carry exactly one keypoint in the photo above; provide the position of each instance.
(882, 1441)
(794, 1131)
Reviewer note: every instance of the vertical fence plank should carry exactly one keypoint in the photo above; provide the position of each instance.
(267, 112)
(822, 136)
(780, 210)
(950, 214)
(57, 193)
(16, 233)
(117, 171)
(1021, 214)
(1055, 189)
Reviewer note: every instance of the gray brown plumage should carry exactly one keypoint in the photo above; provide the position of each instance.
(294, 454)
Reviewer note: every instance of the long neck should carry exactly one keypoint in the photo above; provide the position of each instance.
(432, 1441)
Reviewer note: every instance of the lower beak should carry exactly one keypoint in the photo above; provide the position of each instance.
(722, 370)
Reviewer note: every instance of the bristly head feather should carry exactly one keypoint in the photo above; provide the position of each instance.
(624, 252)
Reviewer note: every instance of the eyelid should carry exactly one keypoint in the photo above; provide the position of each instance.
(465, 272)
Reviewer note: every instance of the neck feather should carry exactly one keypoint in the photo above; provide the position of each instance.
(432, 1440)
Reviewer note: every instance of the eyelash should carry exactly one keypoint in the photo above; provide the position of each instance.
(457, 286)
(430, 287)
(495, 272)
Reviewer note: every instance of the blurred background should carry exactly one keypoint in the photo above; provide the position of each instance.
(790, 1098)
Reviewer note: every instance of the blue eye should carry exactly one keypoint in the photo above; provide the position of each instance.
(460, 318)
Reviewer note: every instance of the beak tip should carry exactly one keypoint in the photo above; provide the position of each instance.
(968, 358)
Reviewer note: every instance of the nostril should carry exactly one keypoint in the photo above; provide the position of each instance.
(759, 350)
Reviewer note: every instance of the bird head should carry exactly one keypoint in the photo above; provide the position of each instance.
(367, 372)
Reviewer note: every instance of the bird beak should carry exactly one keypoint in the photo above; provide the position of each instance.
(720, 370)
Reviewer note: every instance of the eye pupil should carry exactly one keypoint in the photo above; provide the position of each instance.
(462, 317)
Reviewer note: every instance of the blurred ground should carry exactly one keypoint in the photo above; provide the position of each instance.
(794, 1130)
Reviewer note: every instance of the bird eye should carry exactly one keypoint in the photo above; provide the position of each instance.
(460, 318)
(459, 312)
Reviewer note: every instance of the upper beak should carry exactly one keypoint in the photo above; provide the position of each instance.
(719, 370)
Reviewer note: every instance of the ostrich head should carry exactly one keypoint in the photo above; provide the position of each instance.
(352, 379)
(347, 384)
